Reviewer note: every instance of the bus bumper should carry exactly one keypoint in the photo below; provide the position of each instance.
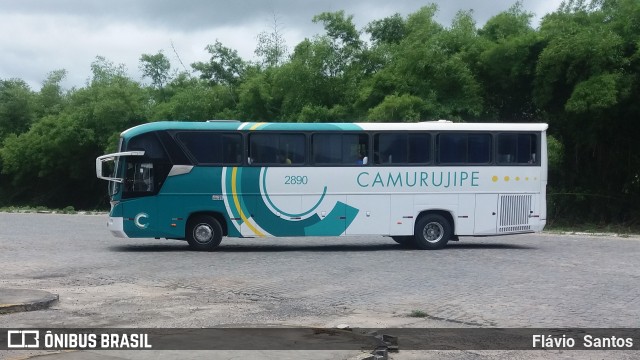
(116, 226)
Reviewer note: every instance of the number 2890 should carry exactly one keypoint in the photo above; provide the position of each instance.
(296, 180)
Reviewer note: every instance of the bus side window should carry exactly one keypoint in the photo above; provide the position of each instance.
(340, 149)
(357, 144)
(464, 148)
(516, 149)
(275, 148)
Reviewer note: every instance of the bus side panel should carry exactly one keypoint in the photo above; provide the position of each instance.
(199, 191)
(441, 202)
(486, 214)
(174, 211)
(465, 218)
(372, 217)
(140, 217)
(402, 216)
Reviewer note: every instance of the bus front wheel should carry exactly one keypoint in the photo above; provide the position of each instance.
(432, 232)
(204, 233)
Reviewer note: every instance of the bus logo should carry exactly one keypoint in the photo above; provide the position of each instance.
(23, 339)
(141, 220)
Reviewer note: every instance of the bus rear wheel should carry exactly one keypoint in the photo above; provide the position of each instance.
(432, 232)
(204, 233)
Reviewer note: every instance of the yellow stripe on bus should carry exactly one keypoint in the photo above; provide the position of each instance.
(257, 125)
(236, 201)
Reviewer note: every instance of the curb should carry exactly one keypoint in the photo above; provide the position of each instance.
(592, 234)
(19, 300)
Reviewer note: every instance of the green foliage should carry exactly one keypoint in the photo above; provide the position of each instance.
(50, 162)
(390, 30)
(418, 314)
(394, 108)
(340, 28)
(508, 24)
(256, 97)
(16, 107)
(587, 82)
(555, 154)
(155, 67)
(509, 49)
(224, 68)
(193, 100)
(272, 47)
(52, 99)
(598, 93)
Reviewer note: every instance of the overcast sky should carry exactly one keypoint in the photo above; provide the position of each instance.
(39, 36)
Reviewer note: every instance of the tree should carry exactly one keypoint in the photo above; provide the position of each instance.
(51, 99)
(258, 99)
(396, 108)
(16, 107)
(587, 82)
(224, 68)
(272, 47)
(155, 67)
(340, 28)
(342, 42)
(193, 99)
(431, 64)
(506, 66)
(62, 145)
(390, 30)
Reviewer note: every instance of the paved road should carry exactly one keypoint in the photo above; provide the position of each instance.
(512, 281)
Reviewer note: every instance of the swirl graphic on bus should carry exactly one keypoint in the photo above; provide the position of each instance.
(258, 216)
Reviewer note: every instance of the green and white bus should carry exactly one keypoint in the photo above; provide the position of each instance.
(422, 184)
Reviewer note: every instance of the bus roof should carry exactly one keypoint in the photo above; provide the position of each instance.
(419, 126)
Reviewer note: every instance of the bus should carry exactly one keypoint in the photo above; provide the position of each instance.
(422, 184)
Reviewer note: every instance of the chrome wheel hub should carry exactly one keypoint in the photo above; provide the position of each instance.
(433, 232)
(203, 233)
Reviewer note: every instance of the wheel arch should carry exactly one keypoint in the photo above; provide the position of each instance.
(447, 214)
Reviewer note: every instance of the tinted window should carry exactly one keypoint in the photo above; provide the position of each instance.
(265, 148)
(145, 175)
(176, 154)
(402, 148)
(344, 149)
(458, 148)
(517, 149)
(151, 145)
(212, 147)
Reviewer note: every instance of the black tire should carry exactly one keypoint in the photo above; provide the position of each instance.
(432, 232)
(406, 241)
(204, 233)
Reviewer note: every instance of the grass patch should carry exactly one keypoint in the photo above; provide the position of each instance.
(418, 314)
(622, 229)
(44, 210)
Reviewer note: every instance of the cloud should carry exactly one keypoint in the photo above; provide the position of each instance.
(41, 36)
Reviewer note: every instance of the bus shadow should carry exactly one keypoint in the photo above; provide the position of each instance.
(261, 248)
(150, 248)
(471, 246)
(234, 248)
